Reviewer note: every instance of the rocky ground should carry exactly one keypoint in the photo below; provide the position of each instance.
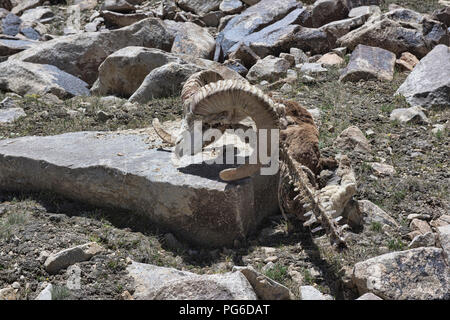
(401, 164)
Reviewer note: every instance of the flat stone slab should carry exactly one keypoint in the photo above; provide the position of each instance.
(119, 170)
(369, 63)
(428, 85)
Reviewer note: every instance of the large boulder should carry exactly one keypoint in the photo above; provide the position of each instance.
(251, 20)
(326, 11)
(161, 283)
(369, 63)
(398, 31)
(164, 81)
(32, 78)
(121, 170)
(337, 29)
(191, 39)
(200, 7)
(428, 85)
(82, 54)
(275, 38)
(124, 71)
(416, 274)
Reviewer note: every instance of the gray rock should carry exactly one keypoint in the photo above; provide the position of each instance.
(441, 221)
(246, 55)
(325, 11)
(312, 68)
(117, 6)
(250, 2)
(427, 85)
(46, 293)
(442, 15)
(122, 19)
(188, 200)
(423, 240)
(443, 235)
(191, 39)
(372, 213)
(369, 296)
(24, 5)
(270, 68)
(224, 21)
(94, 25)
(167, 9)
(369, 63)
(408, 115)
(82, 54)
(364, 11)
(124, 71)
(212, 19)
(275, 38)
(9, 47)
(73, 281)
(398, 31)
(11, 24)
(252, 20)
(65, 258)
(416, 274)
(264, 287)
(236, 66)
(352, 139)
(160, 283)
(299, 55)
(337, 29)
(32, 78)
(311, 293)
(9, 115)
(231, 6)
(30, 33)
(163, 82)
(315, 40)
(382, 169)
(200, 7)
(37, 14)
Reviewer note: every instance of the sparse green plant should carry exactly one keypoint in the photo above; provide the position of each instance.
(307, 276)
(60, 293)
(376, 226)
(7, 223)
(278, 273)
(395, 244)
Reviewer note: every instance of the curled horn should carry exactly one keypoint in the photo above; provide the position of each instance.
(163, 134)
(239, 100)
(192, 85)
